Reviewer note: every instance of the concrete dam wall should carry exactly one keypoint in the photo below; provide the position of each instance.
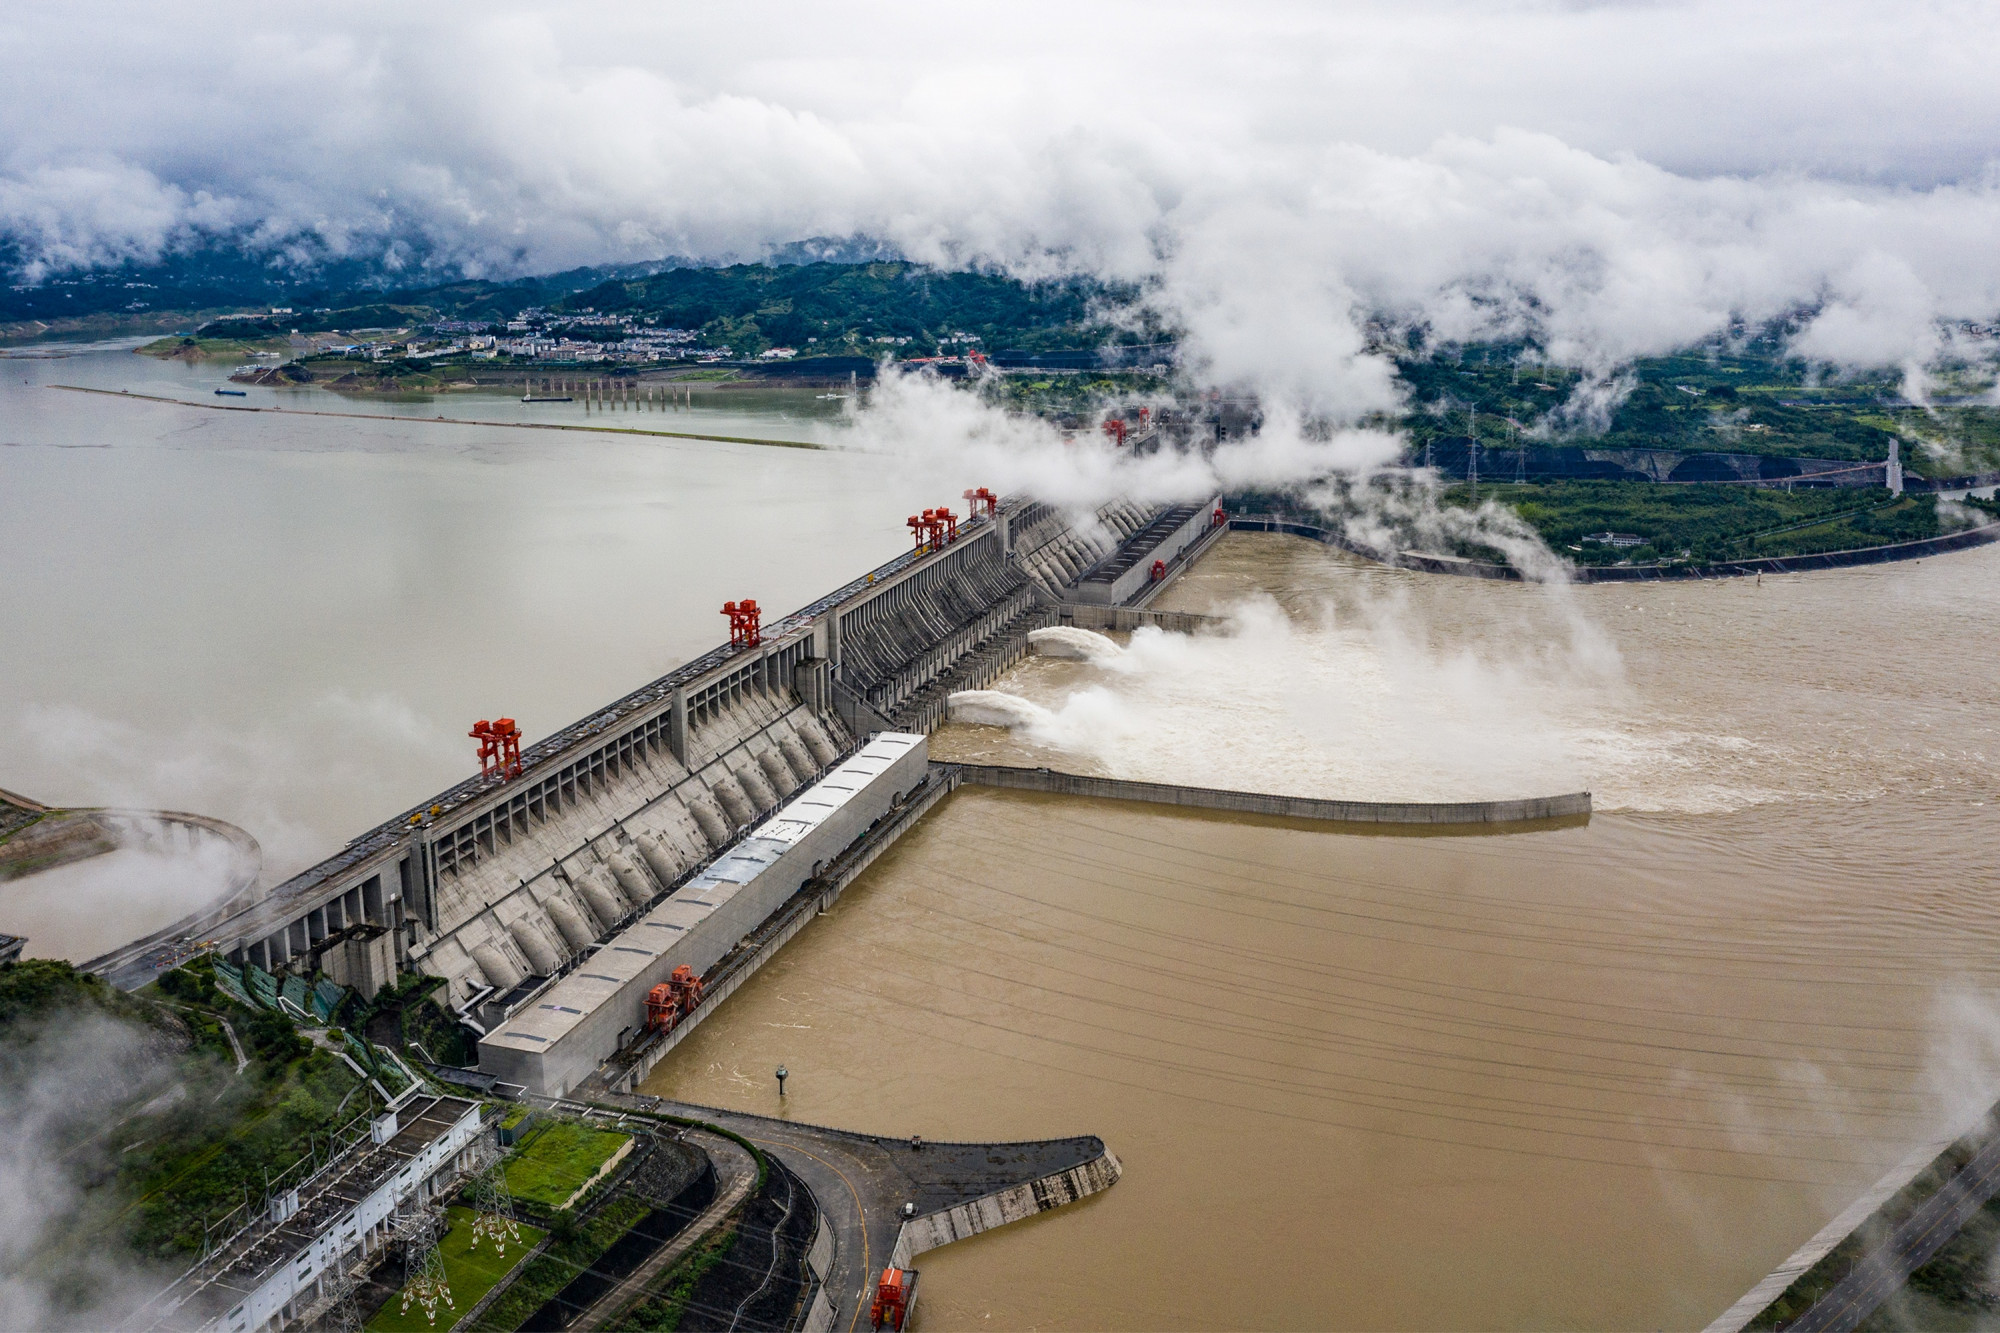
(502, 886)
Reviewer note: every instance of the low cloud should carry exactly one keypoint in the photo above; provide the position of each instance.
(1614, 180)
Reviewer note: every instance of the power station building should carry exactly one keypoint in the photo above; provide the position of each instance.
(561, 1036)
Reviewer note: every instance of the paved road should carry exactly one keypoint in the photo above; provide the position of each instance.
(1926, 1231)
(862, 1182)
(735, 1177)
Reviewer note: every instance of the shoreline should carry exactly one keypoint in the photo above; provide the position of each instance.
(445, 421)
(1963, 540)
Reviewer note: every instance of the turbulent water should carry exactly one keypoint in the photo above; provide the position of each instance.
(1598, 1077)
(1588, 1077)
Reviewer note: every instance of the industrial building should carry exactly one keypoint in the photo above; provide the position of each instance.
(562, 1036)
(275, 1270)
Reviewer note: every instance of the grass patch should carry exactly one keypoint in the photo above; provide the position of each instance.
(471, 1272)
(209, 349)
(561, 1262)
(555, 1162)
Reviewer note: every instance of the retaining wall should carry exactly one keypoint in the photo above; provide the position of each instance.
(629, 1068)
(1575, 805)
(960, 1221)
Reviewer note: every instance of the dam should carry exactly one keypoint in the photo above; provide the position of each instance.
(557, 891)
(500, 884)
(1753, 871)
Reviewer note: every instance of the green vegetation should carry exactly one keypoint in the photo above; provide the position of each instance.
(35, 990)
(470, 1272)
(662, 1311)
(1711, 523)
(1078, 394)
(557, 1159)
(209, 348)
(373, 315)
(567, 1256)
(845, 309)
(159, 1171)
(1750, 399)
(1953, 1291)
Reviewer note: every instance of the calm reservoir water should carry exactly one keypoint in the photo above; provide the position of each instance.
(1601, 1076)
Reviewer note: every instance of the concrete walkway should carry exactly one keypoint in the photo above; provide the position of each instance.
(735, 1177)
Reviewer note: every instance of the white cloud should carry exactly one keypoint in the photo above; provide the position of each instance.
(1626, 177)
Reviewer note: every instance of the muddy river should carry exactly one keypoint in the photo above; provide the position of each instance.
(1593, 1077)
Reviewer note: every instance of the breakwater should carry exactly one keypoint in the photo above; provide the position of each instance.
(1428, 814)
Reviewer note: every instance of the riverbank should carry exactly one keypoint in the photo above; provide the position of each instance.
(444, 420)
(1463, 567)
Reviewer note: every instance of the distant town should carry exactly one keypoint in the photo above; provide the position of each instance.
(586, 337)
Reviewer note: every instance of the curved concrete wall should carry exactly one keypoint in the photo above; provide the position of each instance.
(1575, 805)
(1014, 1204)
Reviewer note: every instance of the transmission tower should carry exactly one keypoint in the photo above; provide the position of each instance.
(1472, 454)
(343, 1314)
(493, 1204)
(424, 1281)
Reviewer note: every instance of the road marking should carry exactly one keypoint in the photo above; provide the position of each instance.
(867, 1267)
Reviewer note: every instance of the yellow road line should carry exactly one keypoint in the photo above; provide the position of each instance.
(867, 1268)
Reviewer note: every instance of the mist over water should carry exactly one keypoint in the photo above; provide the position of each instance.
(1347, 680)
(1599, 1077)
(290, 622)
(90, 907)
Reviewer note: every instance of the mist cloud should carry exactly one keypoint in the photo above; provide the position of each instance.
(66, 1085)
(1615, 179)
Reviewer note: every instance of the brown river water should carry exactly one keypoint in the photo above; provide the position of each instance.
(1584, 1077)
(1598, 1076)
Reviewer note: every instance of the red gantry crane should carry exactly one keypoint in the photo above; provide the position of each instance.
(499, 747)
(745, 623)
(933, 529)
(894, 1295)
(673, 999)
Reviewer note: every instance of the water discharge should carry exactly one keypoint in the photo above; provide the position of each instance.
(1600, 1076)
(1592, 1077)
(1080, 645)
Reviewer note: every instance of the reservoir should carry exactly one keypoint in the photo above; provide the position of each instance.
(1599, 1076)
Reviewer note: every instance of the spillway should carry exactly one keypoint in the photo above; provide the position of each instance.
(669, 829)
(504, 886)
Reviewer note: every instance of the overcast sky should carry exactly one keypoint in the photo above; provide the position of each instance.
(1626, 176)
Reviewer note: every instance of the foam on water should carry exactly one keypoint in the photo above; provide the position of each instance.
(1368, 684)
